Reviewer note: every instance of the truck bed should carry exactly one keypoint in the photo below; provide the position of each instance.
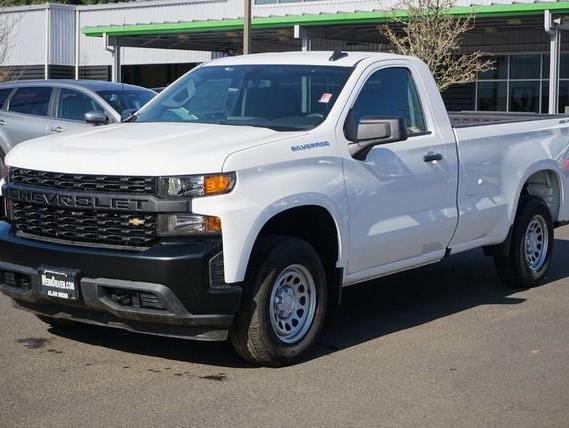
(465, 119)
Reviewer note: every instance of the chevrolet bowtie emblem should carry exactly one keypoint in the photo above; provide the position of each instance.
(136, 221)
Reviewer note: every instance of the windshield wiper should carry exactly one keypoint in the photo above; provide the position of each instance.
(131, 118)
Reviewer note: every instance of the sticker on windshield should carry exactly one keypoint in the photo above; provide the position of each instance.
(325, 98)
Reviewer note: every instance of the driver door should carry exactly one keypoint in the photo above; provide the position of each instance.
(401, 205)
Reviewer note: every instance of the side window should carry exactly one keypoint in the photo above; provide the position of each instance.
(31, 100)
(4, 93)
(73, 105)
(391, 93)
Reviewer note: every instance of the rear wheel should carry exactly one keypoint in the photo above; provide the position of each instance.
(59, 323)
(531, 246)
(284, 303)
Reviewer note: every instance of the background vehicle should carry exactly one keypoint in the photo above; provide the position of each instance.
(34, 108)
(240, 201)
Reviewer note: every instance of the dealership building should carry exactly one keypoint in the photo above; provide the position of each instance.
(153, 42)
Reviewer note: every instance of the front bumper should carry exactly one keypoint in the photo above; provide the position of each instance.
(176, 276)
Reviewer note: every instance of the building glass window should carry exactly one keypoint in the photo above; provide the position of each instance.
(545, 67)
(524, 96)
(492, 96)
(563, 67)
(563, 97)
(525, 66)
(520, 82)
(499, 70)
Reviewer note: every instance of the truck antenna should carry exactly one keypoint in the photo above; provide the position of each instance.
(337, 54)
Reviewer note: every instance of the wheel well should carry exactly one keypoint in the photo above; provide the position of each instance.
(545, 185)
(315, 225)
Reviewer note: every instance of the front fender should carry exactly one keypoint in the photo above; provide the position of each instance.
(264, 191)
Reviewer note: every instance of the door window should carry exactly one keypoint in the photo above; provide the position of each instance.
(31, 100)
(391, 93)
(4, 93)
(73, 105)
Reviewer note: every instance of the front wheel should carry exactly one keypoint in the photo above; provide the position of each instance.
(531, 246)
(284, 303)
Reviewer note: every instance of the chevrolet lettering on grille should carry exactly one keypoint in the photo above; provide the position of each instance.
(77, 200)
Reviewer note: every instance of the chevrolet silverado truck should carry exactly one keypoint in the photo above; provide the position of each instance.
(241, 200)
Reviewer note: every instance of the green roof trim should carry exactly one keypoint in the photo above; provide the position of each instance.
(491, 11)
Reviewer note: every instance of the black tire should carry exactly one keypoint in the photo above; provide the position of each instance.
(515, 270)
(253, 335)
(58, 323)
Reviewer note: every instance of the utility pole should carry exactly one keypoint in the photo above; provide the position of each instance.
(247, 27)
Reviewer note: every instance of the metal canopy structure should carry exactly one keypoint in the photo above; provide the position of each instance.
(491, 35)
(514, 26)
(499, 28)
(323, 19)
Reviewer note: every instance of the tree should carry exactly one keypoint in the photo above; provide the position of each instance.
(428, 31)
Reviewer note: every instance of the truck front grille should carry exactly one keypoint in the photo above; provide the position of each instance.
(88, 226)
(85, 183)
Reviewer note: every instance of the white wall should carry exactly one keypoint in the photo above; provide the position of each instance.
(27, 39)
(92, 49)
(62, 35)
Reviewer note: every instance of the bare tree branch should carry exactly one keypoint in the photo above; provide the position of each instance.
(432, 34)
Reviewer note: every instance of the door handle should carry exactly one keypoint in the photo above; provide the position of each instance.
(57, 129)
(2, 122)
(433, 157)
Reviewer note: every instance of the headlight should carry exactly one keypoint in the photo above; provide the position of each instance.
(188, 224)
(196, 185)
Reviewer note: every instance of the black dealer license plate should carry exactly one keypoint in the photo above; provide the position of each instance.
(59, 283)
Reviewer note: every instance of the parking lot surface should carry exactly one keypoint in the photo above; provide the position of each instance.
(444, 345)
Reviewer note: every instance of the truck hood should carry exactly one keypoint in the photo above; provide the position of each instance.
(149, 149)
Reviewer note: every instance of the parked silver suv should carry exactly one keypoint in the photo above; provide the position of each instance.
(34, 108)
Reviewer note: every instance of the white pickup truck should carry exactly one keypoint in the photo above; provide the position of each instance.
(240, 201)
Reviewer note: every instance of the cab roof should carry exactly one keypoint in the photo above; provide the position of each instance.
(349, 59)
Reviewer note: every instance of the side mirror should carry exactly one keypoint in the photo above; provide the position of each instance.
(96, 118)
(370, 131)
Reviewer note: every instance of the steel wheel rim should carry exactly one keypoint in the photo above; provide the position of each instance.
(292, 305)
(536, 243)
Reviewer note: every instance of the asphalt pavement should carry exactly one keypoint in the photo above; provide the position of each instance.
(444, 345)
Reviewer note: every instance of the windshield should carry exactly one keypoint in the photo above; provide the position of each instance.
(126, 102)
(281, 97)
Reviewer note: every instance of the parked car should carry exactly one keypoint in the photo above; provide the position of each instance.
(34, 108)
(239, 202)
